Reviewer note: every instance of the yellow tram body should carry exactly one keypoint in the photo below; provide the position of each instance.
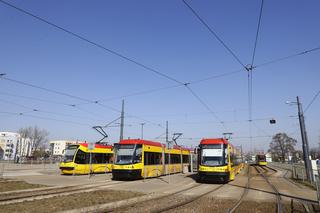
(135, 159)
(218, 160)
(77, 159)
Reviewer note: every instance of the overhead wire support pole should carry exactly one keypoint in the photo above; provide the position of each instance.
(122, 121)
(305, 145)
(142, 124)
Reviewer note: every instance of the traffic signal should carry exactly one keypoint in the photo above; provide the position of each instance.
(272, 121)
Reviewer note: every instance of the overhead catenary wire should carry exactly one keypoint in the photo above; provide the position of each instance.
(210, 29)
(33, 98)
(38, 110)
(250, 75)
(288, 57)
(105, 48)
(82, 38)
(44, 89)
(177, 82)
(75, 97)
(46, 118)
(311, 102)
(206, 106)
(257, 35)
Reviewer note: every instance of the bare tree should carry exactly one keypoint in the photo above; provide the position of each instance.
(38, 138)
(314, 152)
(281, 145)
(32, 138)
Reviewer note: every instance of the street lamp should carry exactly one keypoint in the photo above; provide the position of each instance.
(305, 146)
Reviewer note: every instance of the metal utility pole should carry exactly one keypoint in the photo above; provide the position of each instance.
(122, 121)
(305, 145)
(142, 124)
(167, 133)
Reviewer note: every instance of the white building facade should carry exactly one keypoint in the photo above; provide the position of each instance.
(13, 146)
(58, 147)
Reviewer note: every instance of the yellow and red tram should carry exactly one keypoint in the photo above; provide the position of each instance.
(261, 160)
(77, 159)
(218, 160)
(135, 159)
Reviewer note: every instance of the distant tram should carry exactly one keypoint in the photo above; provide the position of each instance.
(261, 160)
(77, 159)
(218, 160)
(136, 159)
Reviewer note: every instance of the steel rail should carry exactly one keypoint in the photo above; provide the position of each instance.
(186, 201)
(157, 197)
(245, 192)
(278, 195)
(51, 191)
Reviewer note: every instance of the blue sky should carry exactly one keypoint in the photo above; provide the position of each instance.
(165, 36)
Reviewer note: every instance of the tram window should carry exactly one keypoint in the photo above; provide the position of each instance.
(81, 157)
(152, 158)
(174, 158)
(137, 155)
(212, 161)
(99, 158)
(185, 158)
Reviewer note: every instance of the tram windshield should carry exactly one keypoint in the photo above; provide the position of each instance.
(213, 155)
(261, 158)
(128, 153)
(69, 153)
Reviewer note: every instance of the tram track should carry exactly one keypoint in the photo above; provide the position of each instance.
(187, 201)
(277, 194)
(304, 202)
(151, 201)
(42, 193)
(235, 207)
(164, 197)
(243, 195)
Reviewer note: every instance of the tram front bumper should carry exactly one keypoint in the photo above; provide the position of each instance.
(126, 173)
(222, 176)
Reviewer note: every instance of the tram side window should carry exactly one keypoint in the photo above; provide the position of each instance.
(152, 158)
(99, 158)
(232, 159)
(174, 158)
(186, 158)
(81, 157)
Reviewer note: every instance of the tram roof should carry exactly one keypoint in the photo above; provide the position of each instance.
(97, 145)
(140, 141)
(150, 143)
(214, 141)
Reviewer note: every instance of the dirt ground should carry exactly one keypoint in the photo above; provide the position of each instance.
(10, 185)
(206, 205)
(60, 203)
